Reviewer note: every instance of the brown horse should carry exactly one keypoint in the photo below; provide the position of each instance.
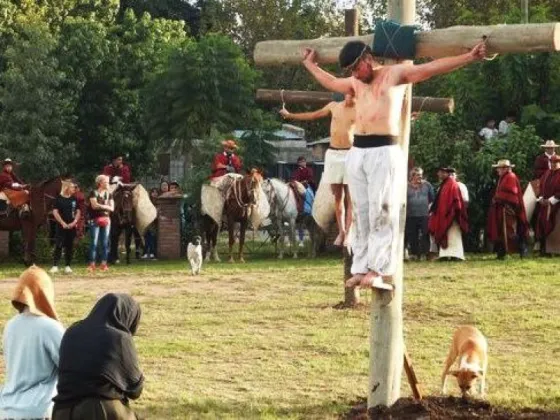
(41, 197)
(241, 196)
(123, 219)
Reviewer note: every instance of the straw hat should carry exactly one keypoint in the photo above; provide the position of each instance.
(549, 143)
(503, 163)
(35, 289)
(8, 161)
(230, 144)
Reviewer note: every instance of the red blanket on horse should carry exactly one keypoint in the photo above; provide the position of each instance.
(447, 208)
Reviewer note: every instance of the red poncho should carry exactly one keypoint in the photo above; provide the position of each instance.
(224, 159)
(447, 208)
(123, 172)
(550, 187)
(508, 194)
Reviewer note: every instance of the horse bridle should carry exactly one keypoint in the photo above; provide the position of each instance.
(237, 193)
(274, 194)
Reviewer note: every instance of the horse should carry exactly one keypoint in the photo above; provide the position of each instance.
(241, 195)
(41, 199)
(283, 209)
(123, 219)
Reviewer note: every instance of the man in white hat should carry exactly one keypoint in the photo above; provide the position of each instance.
(547, 230)
(508, 227)
(543, 161)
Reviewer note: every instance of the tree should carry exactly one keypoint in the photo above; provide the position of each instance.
(208, 85)
(178, 10)
(36, 112)
(115, 67)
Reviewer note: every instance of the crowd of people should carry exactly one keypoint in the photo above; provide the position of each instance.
(74, 214)
(89, 371)
(436, 222)
(489, 131)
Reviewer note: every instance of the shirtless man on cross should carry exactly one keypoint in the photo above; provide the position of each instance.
(375, 165)
(342, 115)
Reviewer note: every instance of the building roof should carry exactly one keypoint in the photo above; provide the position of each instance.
(326, 140)
(287, 132)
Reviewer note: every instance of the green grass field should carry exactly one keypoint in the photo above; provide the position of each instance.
(261, 340)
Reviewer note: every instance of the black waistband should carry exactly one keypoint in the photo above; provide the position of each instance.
(339, 148)
(374, 140)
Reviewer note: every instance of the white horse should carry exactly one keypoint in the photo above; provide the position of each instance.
(283, 209)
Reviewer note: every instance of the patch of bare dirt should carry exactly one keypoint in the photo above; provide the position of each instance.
(443, 408)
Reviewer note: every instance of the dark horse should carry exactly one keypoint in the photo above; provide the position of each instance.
(41, 199)
(123, 219)
(240, 196)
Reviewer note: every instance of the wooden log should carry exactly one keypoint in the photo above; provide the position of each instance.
(419, 103)
(351, 294)
(502, 39)
(412, 379)
(386, 333)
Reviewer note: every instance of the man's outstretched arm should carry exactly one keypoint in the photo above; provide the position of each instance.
(327, 80)
(422, 72)
(307, 116)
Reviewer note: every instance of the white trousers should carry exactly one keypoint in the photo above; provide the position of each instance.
(374, 175)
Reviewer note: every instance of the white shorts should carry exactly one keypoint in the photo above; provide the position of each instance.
(335, 167)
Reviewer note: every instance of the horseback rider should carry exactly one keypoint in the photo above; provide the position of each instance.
(118, 169)
(14, 188)
(226, 162)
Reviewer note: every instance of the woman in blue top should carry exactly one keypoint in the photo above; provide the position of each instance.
(31, 347)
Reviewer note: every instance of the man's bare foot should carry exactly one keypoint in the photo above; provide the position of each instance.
(355, 280)
(372, 279)
(339, 239)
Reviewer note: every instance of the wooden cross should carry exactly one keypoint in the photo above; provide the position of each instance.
(419, 103)
(386, 337)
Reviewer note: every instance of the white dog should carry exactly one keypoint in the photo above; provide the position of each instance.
(194, 255)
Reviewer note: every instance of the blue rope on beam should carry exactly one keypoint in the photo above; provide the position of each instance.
(393, 40)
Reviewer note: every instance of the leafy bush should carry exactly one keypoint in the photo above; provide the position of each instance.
(432, 147)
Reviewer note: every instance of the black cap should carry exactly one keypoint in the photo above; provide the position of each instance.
(351, 52)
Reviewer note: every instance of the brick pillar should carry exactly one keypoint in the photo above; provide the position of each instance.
(169, 227)
(4, 244)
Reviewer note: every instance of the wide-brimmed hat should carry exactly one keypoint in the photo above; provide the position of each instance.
(447, 169)
(550, 143)
(35, 290)
(503, 163)
(230, 144)
(8, 161)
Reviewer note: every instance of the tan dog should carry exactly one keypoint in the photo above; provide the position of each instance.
(470, 348)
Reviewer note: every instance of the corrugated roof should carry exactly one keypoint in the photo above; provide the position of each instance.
(325, 140)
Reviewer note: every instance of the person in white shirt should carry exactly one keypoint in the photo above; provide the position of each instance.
(462, 187)
(489, 131)
(31, 344)
(505, 125)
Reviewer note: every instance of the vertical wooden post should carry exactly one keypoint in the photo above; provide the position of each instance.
(351, 294)
(386, 335)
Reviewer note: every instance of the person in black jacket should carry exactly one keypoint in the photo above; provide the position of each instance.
(98, 369)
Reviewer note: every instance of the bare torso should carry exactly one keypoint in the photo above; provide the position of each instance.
(378, 104)
(342, 125)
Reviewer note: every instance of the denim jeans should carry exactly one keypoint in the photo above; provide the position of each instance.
(99, 234)
(150, 242)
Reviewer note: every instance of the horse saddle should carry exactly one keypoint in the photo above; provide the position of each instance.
(299, 194)
(16, 198)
